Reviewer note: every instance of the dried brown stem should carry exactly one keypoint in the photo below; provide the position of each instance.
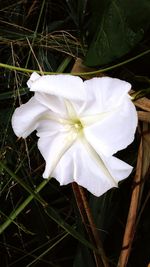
(81, 209)
(87, 218)
(132, 215)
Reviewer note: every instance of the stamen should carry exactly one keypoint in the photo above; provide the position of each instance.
(78, 126)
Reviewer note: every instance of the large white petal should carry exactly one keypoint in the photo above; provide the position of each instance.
(49, 125)
(78, 165)
(105, 94)
(118, 168)
(115, 131)
(91, 176)
(54, 103)
(64, 171)
(62, 85)
(91, 172)
(25, 117)
(53, 148)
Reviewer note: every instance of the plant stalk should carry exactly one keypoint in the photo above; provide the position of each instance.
(87, 218)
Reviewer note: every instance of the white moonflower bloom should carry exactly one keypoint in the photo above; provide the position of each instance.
(80, 125)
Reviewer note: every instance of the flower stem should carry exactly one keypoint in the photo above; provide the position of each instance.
(87, 218)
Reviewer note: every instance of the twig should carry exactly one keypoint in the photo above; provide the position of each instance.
(93, 227)
(83, 215)
(132, 215)
(87, 218)
(79, 202)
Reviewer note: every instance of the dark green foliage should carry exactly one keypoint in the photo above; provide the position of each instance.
(117, 27)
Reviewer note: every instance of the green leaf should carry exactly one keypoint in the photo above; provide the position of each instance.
(118, 28)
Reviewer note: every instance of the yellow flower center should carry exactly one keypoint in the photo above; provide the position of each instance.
(77, 125)
(75, 128)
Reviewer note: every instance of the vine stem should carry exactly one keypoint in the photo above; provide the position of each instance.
(82, 74)
(87, 218)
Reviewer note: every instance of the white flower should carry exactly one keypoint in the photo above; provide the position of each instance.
(80, 125)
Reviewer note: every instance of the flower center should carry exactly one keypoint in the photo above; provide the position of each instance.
(75, 129)
(77, 125)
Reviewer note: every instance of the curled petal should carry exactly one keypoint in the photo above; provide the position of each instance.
(115, 131)
(34, 76)
(118, 168)
(105, 94)
(49, 126)
(53, 103)
(53, 148)
(87, 172)
(25, 118)
(62, 85)
(100, 175)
